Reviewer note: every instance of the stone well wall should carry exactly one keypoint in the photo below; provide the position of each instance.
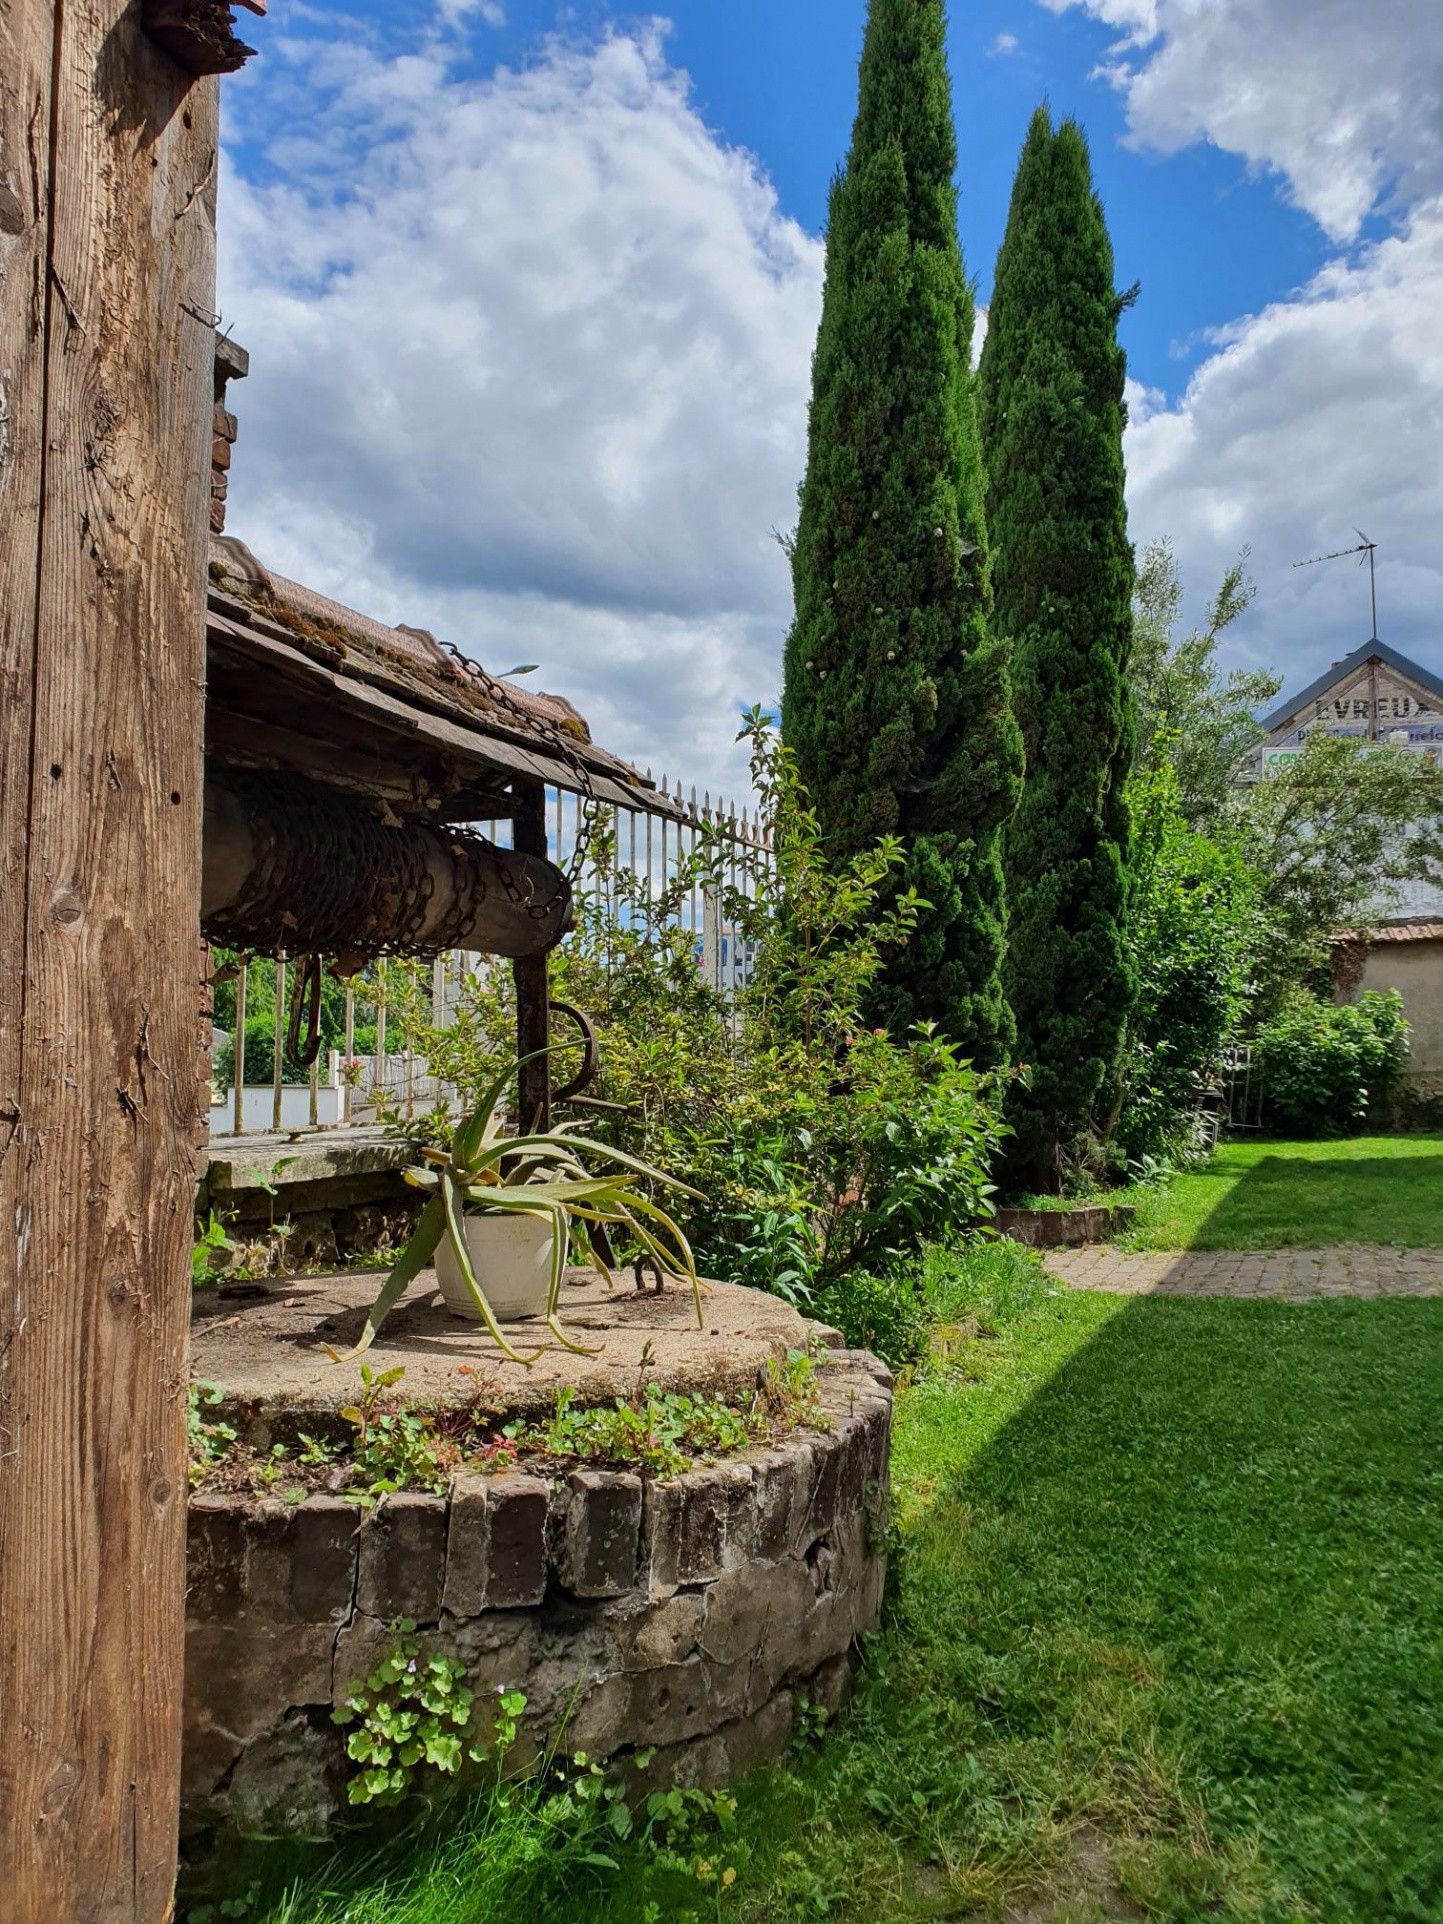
(688, 1616)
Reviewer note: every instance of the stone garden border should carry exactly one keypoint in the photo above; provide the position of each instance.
(1072, 1228)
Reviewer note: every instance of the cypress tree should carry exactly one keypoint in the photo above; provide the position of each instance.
(1052, 416)
(896, 697)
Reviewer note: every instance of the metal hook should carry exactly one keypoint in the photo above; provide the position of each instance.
(307, 980)
(590, 1054)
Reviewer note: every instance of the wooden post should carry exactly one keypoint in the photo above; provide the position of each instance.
(533, 1014)
(108, 155)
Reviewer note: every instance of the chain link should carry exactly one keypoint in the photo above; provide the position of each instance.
(557, 740)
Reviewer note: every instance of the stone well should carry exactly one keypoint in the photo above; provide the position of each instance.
(686, 1617)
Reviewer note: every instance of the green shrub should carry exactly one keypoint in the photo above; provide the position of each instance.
(1193, 931)
(889, 1314)
(819, 1145)
(1325, 1065)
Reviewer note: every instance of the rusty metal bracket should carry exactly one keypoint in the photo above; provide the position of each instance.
(199, 35)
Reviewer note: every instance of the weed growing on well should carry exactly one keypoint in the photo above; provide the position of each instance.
(396, 1446)
(209, 1443)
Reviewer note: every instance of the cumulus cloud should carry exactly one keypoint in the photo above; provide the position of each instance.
(1004, 44)
(454, 12)
(1323, 411)
(1344, 101)
(1320, 413)
(529, 367)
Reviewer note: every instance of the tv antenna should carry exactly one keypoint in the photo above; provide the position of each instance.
(1367, 549)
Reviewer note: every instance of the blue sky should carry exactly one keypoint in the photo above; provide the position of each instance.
(1207, 240)
(530, 292)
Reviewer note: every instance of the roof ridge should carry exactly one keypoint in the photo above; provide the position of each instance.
(1380, 650)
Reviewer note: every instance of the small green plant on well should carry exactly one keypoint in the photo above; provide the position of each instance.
(208, 1443)
(544, 1176)
(414, 1713)
(663, 1432)
(395, 1448)
(211, 1244)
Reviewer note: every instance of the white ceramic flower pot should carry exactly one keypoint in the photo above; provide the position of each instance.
(511, 1255)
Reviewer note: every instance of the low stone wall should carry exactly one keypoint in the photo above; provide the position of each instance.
(686, 1616)
(292, 1206)
(1063, 1228)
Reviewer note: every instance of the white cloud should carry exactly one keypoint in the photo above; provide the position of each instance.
(529, 368)
(453, 12)
(1322, 413)
(1004, 44)
(1344, 100)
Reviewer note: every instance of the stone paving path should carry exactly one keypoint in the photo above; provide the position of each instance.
(1278, 1275)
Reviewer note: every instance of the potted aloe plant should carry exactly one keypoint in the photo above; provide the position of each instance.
(500, 1215)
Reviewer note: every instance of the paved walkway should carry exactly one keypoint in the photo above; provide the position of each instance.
(1279, 1275)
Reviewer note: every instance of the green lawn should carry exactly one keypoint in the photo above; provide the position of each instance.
(1166, 1641)
(1273, 1195)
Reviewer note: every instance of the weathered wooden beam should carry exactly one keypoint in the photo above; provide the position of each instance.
(533, 996)
(293, 865)
(199, 34)
(108, 154)
(430, 787)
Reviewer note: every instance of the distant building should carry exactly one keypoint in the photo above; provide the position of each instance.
(1381, 696)
(1375, 693)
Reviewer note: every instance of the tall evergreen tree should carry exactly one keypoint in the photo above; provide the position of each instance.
(1052, 417)
(896, 696)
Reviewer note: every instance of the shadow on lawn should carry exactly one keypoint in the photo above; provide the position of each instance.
(1210, 1543)
(1288, 1201)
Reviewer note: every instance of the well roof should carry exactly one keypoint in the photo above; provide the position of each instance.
(298, 680)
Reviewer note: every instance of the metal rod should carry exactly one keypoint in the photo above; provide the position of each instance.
(1373, 587)
(663, 842)
(695, 830)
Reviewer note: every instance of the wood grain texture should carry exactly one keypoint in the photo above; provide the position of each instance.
(107, 494)
(26, 50)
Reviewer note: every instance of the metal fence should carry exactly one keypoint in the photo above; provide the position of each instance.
(348, 1088)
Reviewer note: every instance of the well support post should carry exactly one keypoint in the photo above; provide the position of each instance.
(533, 1019)
(108, 157)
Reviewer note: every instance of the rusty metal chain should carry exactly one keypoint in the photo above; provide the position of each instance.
(557, 740)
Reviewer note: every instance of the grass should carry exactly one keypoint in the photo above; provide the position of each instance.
(1277, 1195)
(1166, 1641)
